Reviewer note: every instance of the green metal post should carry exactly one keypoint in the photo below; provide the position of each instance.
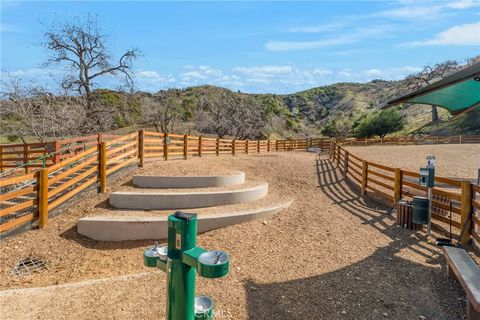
(182, 236)
(181, 259)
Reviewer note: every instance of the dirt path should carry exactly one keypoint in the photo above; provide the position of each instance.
(331, 255)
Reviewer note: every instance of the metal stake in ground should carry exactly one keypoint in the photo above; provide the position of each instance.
(182, 259)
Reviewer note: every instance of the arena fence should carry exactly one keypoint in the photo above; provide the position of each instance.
(27, 199)
(460, 198)
(24, 158)
(411, 139)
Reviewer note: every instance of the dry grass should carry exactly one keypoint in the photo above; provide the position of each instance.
(331, 255)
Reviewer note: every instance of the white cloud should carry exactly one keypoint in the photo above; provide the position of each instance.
(321, 72)
(389, 73)
(153, 81)
(462, 35)
(9, 28)
(148, 75)
(265, 71)
(286, 78)
(346, 37)
(413, 13)
(463, 4)
(34, 73)
(199, 75)
(345, 74)
(273, 45)
(329, 27)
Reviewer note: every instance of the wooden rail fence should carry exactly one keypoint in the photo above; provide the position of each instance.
(406, 140)
(23, 158)
(392, 184)
(27, 199)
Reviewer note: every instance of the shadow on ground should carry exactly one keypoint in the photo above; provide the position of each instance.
(71, 234)
(381, 286)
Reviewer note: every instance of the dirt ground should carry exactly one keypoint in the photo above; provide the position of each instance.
(331, 255)
(452, 160)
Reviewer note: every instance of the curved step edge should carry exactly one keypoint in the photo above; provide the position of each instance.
(185, 200)
(172, 182)
(111, 228)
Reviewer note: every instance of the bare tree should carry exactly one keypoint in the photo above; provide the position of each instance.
(31, 112)
(214, 108)
(225, 113)
(430, 74)
(81, 46)
(160, 111)
(247, 119)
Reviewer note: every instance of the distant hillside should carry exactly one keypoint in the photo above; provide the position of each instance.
(199, 110)
(306, 112)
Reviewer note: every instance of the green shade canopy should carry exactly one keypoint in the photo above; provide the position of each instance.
(458, 93)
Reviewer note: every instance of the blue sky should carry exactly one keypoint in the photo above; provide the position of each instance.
(277, 47)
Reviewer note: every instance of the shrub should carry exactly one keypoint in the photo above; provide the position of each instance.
(381, 123)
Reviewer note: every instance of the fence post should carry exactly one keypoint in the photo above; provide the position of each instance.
(57, 145)
(364, 176)
(43, 198)
(141, 147)
(338, 154)
(233, 146)
(466, 212)
(345, 165)
(398, 185)
(268, 145)
(1, 159)
(185, 146)
(217, 147)
(246, 146)
(200, 146)
(165, 146)
(460, 139)
(276, 145)
(102, 170)
(99, 138)
(258, 146)
(25, 157)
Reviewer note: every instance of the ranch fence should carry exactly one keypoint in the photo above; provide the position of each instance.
(460, 198)
(411, 139)
(27, 199)
(25, 158)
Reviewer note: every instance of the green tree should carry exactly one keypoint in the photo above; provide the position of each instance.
(337, 129)
(381, 123)
(330, 129)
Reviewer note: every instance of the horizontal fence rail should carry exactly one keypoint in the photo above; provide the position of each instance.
(27, 199)
(460, 198)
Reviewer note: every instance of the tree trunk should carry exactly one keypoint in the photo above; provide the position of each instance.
(434, 113)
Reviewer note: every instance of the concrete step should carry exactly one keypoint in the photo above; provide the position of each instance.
(188, 181)
(186, 199)
(121, 228)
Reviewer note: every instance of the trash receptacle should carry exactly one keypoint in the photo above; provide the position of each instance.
(420, 210)
(405, 215)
